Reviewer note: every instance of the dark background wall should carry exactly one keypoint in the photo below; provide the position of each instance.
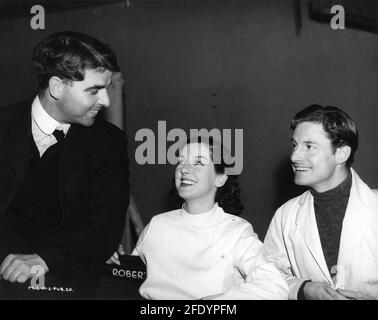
(208, 64)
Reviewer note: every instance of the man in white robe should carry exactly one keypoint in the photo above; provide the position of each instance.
(325, 241)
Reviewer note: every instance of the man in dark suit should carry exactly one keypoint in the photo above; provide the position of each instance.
(64, 186)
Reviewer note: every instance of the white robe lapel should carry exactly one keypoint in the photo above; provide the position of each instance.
(356, 221)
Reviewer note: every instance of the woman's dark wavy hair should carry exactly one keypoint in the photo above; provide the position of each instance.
(336, 123)
(68, 54)
(227, 196)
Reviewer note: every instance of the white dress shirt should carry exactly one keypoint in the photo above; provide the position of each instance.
(43, 126)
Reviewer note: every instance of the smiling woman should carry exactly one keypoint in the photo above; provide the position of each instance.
(200, 251)
(198, 152)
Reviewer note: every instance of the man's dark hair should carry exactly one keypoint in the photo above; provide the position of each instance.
(68, 54)
(336, 123)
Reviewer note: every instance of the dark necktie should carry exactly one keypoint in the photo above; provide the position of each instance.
(54, 149)
(59, 135)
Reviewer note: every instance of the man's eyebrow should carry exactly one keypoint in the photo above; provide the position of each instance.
(305, 141)
(95, 87)
(309, 142)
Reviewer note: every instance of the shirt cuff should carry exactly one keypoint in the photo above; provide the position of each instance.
(301, 295)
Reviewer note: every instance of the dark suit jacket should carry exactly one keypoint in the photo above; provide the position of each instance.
(93, 192)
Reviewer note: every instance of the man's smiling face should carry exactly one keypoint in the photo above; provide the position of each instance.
(82, 100)
(313, 157)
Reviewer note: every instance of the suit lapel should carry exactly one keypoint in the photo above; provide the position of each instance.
(15, 143)
(77, 144)
(15, 140)
(307, 227)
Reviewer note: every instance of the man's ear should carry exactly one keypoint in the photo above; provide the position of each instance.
(56, 87)
(220, 180)
(343, 154)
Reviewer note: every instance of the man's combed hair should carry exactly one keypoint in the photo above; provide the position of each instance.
(68, 55)
(336, 123)
(227, 196)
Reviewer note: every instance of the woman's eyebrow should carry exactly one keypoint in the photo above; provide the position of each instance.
(201, 157)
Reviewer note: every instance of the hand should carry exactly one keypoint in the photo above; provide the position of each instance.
(354, 295)
(321, 291)
(21, 267)
(114, 259)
